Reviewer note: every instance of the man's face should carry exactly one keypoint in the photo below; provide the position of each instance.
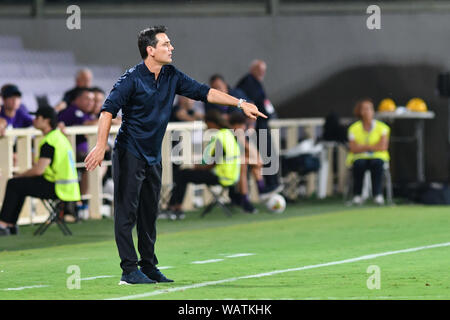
(162, 53)
(220, 85)
(259, 70)
(39, 122)
(84, 80)
(85, 102)
(99, 98)
(12, 103)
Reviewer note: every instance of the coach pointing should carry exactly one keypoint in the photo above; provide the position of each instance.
(145, 94)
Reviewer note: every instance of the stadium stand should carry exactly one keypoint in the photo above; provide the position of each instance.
(46, 73)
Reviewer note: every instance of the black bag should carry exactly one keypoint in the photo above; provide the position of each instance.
(303, 164)
(333, 130)
(435, 193)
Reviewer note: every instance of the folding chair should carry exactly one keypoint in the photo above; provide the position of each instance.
(217, 200)
(367, 186)
(55, 207)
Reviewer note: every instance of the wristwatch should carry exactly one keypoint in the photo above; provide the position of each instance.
(240, 102)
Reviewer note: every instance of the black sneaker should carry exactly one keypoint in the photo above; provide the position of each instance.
(14, 230)
(248, 207)
(235, 198)
(135, 277)
(155, 275)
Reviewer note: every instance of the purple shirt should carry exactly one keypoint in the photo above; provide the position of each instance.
(22, 119)
(72, 116)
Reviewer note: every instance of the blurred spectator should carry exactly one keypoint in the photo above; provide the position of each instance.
(184, 110)
(80, 112)
(83, 79)
(40, 180)
(252, 86)
(249, 158)
(224, 172)
(249, 154)
(13, 113)
(99, 99)
(368, 144)
(217, 81)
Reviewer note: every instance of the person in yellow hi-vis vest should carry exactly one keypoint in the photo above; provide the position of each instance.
(53, 176)
(221, 163)
(368, 144)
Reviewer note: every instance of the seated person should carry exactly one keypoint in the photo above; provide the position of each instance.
(250, 157)
(80, 112)
(13, 113)
(184, 111)
(53, 176)
(221, 165)
(368, 144)
(99, 100)
(217, 81)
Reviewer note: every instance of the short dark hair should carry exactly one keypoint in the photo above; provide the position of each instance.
(237, 117)
(47, 112)
(79, 91)
(97, 89)
(216, 117)
(216, 76)
(147, 37)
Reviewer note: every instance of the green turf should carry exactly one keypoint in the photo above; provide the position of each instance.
(307, 234)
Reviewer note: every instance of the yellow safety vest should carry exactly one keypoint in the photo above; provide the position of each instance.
(62, 170)
(228, 166)
(372, 137)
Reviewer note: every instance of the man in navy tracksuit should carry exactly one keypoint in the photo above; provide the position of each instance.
(145, 94)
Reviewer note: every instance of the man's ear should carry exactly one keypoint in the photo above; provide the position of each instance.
(150, 51)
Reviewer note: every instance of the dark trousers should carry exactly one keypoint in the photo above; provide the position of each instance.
(185, 176)
(376, 171)
(17, 189)
(137, 187)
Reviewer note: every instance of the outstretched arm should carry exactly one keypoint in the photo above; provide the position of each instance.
(219, 97)
(95, 157)
(37, 169)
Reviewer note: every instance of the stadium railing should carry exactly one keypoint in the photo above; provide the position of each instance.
(27, 141)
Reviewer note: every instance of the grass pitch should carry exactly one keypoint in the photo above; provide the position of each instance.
(315, 250)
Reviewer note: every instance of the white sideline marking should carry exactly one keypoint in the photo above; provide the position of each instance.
(163, 268)
(237, 255)
(97, 277)
(207, 261)
(265, 274)
(26, 287)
